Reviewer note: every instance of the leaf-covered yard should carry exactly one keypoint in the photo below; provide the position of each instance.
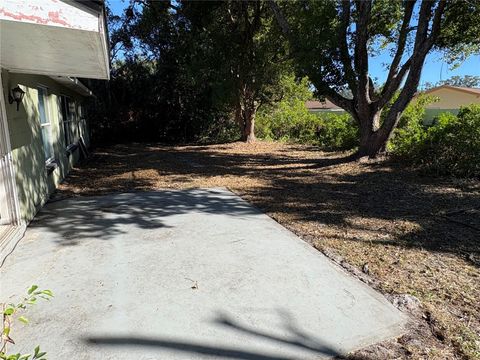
(399, 230)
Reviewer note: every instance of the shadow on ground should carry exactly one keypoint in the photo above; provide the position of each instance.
(103, 219)
(399, 207)
(418, 233)
(296, 339)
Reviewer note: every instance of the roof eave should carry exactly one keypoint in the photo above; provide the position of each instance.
(73, 84)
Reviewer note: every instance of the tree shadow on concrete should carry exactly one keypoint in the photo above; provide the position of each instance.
(186, 347)
(295, 339)
(105, 217)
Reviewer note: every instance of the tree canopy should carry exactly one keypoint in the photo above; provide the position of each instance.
(332, 42)
(462, 81)
(211, 65)
(191, 70)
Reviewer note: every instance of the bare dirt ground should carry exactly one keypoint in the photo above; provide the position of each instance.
(399, 230)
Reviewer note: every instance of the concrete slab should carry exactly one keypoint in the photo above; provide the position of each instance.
(195, 274)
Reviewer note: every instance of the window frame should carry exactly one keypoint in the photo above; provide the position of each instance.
(80, 111)
(65, 102)
(47, 123)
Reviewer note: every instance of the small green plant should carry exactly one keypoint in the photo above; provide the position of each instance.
(13, 312)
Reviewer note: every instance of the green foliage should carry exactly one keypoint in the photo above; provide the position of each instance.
(189, 71)
(465, 81)
(387, 14)
(462, 81)
(163, 86)
(37, 355)
(460, 28)
(290, 120)
(9, 312)
(314, 31)
(295, 124)
(316, 25)
(337, 132)
(332, 41)
(414, 113)
(450, 146)
(278, 121)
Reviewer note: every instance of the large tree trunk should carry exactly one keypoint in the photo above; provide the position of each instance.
(248, 128)
(374, 135)
(245, 116)
(372, 144)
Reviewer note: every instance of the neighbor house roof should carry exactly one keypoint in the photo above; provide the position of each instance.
(321, 105)
(475, 91)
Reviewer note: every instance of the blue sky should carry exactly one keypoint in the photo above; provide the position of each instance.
(116, 6)
(435, 68)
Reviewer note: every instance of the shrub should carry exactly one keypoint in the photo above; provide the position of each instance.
(450, 146)
(289, 120)
(410, 133)
(296, 124)
(415, 111)
(456, 143)
(277, 121)
(337, 132)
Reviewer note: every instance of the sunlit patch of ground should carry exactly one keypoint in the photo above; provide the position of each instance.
(413, 234)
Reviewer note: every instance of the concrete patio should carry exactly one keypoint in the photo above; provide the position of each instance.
(193, 274)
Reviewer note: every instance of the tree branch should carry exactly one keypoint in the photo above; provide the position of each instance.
(423, 22)
(394, 84)
(230, 15)
(371, 89)
(416, 61)
(280, 17)
(322, 87)
(256, 22)
(402, 39)
(343, 41)
(339, 100)
(436, 29)
(361, 54)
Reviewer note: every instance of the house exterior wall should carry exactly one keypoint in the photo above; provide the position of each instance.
(431, 114)
(34, 182)
(452, 99)
(449, 100)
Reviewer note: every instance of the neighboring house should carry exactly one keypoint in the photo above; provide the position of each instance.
(326, 106)
(44, 46)
(450, 99)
